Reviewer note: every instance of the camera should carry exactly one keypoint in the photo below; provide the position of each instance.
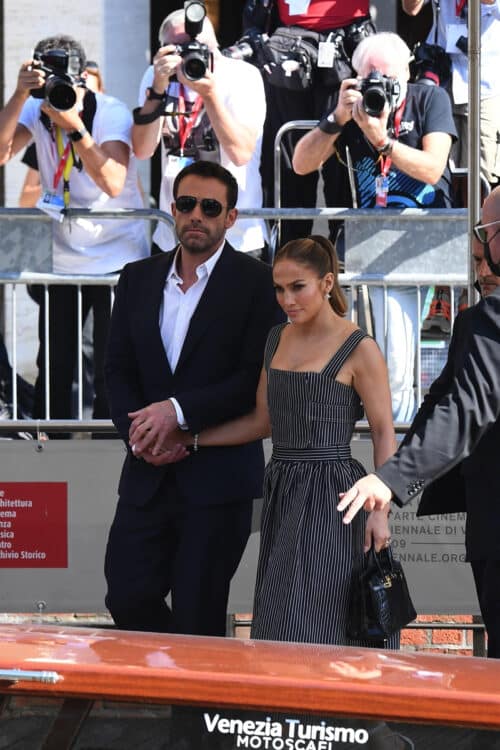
(62, 71)
(431, 64)
(196, 57)
(250, 47)
(377, 90)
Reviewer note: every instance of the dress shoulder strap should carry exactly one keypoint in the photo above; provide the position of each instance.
(272, 342)
(343, 352)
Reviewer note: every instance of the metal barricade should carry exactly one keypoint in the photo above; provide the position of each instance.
(384, 250)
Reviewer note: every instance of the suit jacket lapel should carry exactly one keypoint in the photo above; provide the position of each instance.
(211, 305)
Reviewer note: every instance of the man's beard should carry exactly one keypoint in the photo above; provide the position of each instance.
(200, 244)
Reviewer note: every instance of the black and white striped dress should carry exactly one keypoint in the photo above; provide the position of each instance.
(306, 552)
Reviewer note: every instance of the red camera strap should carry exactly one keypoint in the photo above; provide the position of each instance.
(386, 161)
(187, 120)
(459, 6)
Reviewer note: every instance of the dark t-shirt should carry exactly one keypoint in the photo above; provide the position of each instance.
(427, 110)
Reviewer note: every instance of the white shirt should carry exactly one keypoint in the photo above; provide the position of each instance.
(91, 246)
(177, 309)
(242, 95)
(450, 28)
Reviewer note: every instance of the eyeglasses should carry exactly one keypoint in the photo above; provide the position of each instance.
(481, 234)
(187, 203)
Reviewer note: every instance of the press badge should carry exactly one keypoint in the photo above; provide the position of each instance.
(326, 54)
(52, 204)
(174, 164)
(381, 190)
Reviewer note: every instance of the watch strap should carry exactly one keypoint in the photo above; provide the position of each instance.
(77, 135)
(152, 94)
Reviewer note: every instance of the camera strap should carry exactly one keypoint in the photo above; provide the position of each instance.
(66, 161)
(187, 120)
(459, 7)
(382, 180)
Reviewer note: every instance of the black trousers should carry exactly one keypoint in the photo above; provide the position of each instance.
(486, 577)
(63, 333)
(168, 547)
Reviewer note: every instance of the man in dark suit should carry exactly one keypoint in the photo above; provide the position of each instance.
(186, 348)
(452, 447)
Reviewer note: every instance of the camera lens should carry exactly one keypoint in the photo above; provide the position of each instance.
(374, 100)
(194, 66)
(60, 94)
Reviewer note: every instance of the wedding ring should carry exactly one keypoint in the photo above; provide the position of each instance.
(387, 542)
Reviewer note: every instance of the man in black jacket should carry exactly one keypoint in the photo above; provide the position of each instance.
(186, 347)
(451, 449)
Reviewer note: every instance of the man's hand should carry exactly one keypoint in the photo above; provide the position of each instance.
(369, 492)
(68, 120)
(374, 128)
(204, 86)
(348, 96)
(165, 64)
(29, 77)
(151, 426)
(166, 456)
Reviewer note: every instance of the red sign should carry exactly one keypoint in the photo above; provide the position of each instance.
(33, 525)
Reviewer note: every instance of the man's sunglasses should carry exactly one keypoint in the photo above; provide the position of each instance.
(187, 203)
(481, 235)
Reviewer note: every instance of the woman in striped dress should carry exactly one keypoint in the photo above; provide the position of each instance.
(318, 370)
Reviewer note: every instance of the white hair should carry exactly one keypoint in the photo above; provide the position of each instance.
(386, 44)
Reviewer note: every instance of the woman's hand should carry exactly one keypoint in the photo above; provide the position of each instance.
(377, 533)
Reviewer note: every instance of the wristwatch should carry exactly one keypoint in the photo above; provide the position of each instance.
(386, 148)
(330, 125)
(152, 94)
(77, 135)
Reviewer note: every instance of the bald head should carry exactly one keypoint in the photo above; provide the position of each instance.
(172, 31)
(491, 213)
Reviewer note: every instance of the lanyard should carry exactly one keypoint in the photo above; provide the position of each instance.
(65, 165)
(187, 121)
(386, 161)
(459, 6)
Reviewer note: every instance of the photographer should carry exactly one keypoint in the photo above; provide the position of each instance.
(399, 159)
(334, 27)
(218, 115)
(83, 147)
(450, 32)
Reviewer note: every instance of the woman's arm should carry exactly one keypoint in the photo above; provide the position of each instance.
(253, 426)
(370, 379)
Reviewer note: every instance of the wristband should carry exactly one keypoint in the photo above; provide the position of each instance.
(330, 125)
(151, 117)
(152, 94)
(195, 442)
(77, 135)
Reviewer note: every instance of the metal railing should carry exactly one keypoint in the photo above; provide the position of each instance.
(351, 281)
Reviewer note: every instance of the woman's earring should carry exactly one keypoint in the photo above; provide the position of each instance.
(328, 295)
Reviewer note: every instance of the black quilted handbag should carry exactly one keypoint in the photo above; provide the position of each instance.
(379, 603)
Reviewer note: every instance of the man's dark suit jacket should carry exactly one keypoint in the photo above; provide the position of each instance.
(452, 449)
(215, 379)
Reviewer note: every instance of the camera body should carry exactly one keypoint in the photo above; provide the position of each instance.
(196, 59)
(431, 64)
(62, 71)
(378, 90)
